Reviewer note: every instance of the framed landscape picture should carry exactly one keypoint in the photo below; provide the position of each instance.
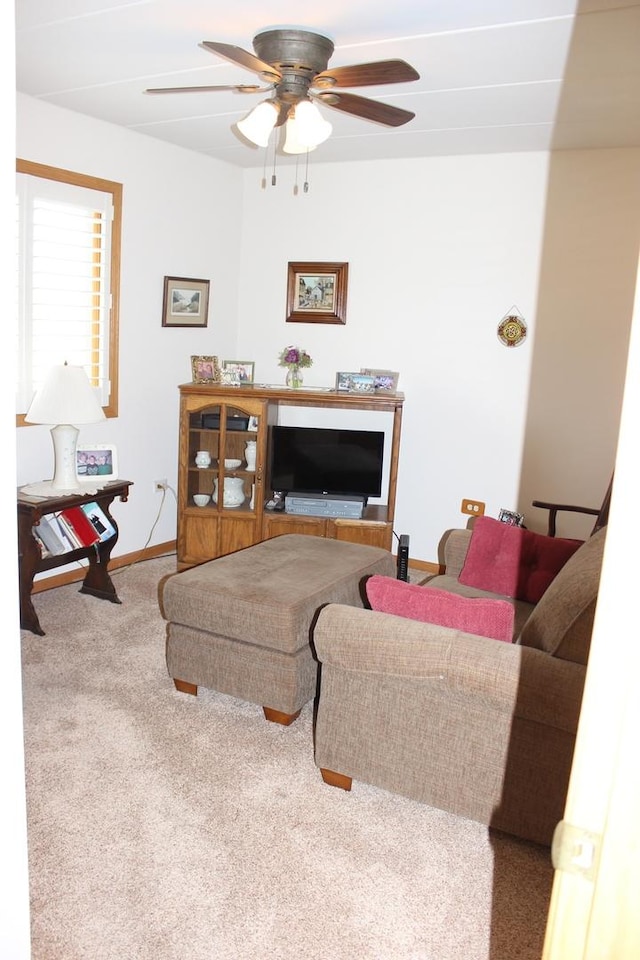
(354, 382)
(185, 302)
(317, 292)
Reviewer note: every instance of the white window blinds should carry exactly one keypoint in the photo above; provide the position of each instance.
(64, 270)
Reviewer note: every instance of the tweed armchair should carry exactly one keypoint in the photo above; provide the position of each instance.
(464, 723)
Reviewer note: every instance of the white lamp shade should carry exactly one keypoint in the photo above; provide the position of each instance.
(257, 126)
(311, 127)
(66, 396)
(291, 143)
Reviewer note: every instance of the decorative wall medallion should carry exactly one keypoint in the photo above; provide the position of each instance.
(512, 330)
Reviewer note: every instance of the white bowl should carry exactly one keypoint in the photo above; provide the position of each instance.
(201, 499)
(232, 464)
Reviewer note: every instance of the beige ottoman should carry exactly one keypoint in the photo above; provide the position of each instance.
(241, 624)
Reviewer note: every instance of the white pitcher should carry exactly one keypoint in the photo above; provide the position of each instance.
(233, 491)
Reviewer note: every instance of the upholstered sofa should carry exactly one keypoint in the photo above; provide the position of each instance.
(466, 723)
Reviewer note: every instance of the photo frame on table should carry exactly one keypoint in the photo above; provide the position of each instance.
(385, 381)
(96, 463)
(205, 369)
(347, 382)
(237, 372)
(185, 302)
(317, 292)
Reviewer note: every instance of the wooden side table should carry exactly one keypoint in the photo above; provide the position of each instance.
(97, 581)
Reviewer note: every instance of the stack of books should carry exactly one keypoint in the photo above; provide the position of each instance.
(73, 529)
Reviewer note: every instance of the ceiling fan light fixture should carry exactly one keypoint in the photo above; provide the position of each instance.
(291, 142)
(259, 123)
(310, 126)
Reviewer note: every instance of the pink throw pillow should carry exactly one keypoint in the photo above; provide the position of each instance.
(513, 561)
(481, 616)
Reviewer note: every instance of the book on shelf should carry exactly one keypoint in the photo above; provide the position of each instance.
(99, 520)
(80, 526)
(64, 532)
(44, 552)
(50, 537)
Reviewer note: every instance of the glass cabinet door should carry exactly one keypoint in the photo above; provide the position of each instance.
(223, 455)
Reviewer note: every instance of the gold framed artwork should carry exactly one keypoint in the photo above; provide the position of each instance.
(185, 302)
(205, 369)
(317, 292)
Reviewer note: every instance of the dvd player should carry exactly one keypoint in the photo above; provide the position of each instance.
(324, 505)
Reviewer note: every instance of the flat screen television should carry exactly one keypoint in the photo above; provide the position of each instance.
(321, 460)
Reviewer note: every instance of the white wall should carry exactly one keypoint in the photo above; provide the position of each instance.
(439, 250)
(181, 217)
(590, 251)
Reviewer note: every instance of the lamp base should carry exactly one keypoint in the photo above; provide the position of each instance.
(46, 490)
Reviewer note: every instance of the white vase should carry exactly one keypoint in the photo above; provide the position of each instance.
(233, 492)
(203, 459)
(250, 454)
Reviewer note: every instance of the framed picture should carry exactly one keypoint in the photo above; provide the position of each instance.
(96, 460)
(237, 372)
(205, 369)
(185, 303)
(317, 292)
(355, 383)
(385, 381)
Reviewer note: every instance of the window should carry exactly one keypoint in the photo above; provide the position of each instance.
(68, 270)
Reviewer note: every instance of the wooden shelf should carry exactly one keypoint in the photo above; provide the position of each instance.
(214, 530)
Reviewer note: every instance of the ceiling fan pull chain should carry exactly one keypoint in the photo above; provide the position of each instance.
(295, 185)
(273, 175)
(306, 175)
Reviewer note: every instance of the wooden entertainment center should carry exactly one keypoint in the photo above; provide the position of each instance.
(221, 420)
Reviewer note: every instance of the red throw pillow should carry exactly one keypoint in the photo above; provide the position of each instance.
(513, 561)
(481, 616)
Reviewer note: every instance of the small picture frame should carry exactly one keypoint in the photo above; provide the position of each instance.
(385, 381)
(511, 517)
(237, 372)
(205, 369)
(347, 382)
(317, 292)
(185, 302)
(253, 423)
(96, 463)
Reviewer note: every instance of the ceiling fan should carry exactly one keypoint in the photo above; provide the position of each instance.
(294, 64)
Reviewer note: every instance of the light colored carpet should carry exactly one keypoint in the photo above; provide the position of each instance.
(167, 827)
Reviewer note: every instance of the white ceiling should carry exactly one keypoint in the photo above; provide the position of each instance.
(495, 75)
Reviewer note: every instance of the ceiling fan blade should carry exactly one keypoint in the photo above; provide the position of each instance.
(365, 108)
(367, 74)
(242, 57)
(236, 88)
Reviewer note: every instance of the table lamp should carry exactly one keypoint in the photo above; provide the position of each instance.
(65, 398)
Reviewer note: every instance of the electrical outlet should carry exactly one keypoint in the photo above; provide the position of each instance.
(473, 507)
(159, 485)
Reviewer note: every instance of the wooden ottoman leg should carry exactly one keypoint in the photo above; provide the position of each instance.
(336, 779)
(277, 716)
(185, 687)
